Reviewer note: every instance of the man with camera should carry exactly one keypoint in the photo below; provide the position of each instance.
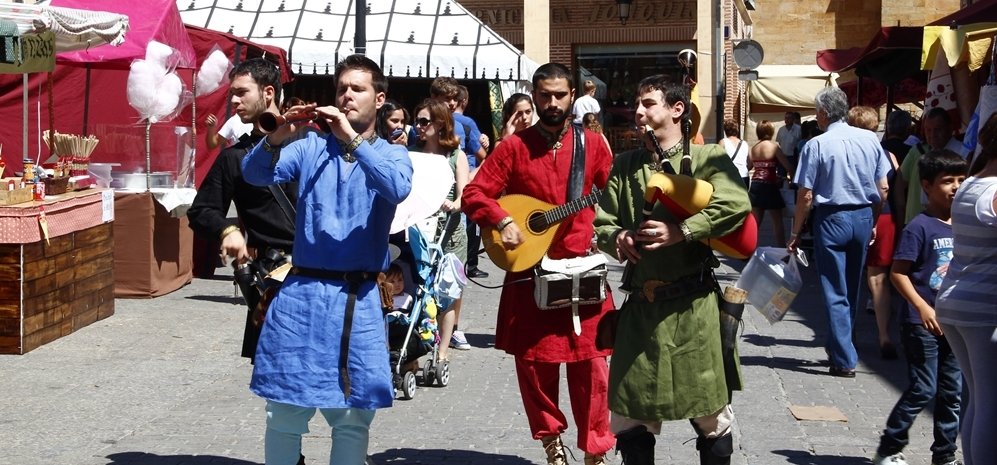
(266, 213)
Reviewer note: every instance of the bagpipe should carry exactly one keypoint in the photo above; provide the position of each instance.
(683, 196)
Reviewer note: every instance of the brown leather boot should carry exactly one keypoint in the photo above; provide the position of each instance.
(555, 450)
(591, 459)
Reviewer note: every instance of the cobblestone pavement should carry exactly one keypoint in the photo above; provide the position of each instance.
(161, 383)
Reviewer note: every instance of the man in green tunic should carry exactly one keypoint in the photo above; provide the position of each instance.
(667, 362)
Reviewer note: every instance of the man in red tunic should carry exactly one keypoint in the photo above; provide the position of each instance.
(536, 162)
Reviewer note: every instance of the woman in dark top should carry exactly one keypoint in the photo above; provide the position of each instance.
(765, 180)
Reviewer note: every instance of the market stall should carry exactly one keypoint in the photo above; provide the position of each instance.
(56, 251)
(56, 267)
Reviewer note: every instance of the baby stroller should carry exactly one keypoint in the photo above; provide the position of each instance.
(412, 332)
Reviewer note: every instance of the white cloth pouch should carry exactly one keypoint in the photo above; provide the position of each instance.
(570, 281)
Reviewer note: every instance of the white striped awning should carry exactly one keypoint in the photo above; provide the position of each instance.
(408, 38)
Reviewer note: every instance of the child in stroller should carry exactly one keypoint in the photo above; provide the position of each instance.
(412, 325)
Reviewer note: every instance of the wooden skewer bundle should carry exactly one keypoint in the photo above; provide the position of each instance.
(73, 152)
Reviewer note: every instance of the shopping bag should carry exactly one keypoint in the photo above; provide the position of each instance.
(772, 280)
(451, 281)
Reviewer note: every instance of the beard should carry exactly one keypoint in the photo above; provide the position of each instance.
(553, 118)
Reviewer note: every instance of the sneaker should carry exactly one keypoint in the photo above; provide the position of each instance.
(555, 450)
(474, 272)
(895, 459)
(458, 341)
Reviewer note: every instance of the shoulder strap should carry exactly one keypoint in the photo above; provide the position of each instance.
(283, 201)
(576, 178)
(737, 149)
(278, 192)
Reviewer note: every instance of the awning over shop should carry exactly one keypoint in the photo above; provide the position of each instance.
(424, 39)
(787, 87)
(892, 55)
(963, 36)
(74, 29)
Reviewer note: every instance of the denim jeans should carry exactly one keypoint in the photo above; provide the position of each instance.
(841, 237)
(934, 374)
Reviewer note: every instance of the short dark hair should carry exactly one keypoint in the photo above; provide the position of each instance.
(262, 71)
(731, 128)
(898, 123)
(939, 113)
(940, 163)
(764, 130)
(553, 71)
(362, 63)
(445, 87)
(462, 94)
(672, 90)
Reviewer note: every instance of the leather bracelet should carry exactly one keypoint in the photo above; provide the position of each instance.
(503, 223)
(228, 230)
(354, 143)
(273, 150)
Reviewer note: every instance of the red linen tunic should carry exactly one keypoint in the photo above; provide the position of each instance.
(523, 164)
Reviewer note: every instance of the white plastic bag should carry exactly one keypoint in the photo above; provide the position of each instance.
(451, 280)
(772, 280)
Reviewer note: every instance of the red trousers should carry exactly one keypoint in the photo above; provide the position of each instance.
(588, 385)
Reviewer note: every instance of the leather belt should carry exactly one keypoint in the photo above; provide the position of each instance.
(354, 279)
(332, 275)
(655, 290)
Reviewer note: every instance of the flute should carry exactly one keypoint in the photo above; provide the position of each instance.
(269, 122)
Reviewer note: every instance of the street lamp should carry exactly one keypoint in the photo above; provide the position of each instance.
(624, 6)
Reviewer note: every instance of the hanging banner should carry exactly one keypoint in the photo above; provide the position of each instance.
(34, 53)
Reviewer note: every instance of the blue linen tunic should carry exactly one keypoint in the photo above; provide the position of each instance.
(344, 211)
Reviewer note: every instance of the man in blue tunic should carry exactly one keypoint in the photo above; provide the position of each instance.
(323, 344)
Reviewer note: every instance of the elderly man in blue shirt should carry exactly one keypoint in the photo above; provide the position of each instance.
(842, 173)
(323, 344)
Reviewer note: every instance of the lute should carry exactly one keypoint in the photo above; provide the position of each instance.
(539, 222)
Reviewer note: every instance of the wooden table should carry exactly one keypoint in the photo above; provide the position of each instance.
(51, 287)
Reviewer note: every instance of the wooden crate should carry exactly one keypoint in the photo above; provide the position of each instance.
(48, 291)
(18, 195)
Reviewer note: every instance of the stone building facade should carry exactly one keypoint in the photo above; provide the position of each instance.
(588, 36)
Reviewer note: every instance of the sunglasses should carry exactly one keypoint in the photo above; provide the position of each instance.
(422, 122)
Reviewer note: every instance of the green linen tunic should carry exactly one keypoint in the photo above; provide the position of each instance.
(667, 362)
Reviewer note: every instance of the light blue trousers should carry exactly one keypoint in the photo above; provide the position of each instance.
(286, 423)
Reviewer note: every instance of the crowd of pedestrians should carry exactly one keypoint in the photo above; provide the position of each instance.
(325, 189)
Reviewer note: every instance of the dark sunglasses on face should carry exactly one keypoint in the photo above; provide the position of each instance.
(422, 122)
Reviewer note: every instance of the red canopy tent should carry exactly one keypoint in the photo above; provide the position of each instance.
(983, 11)
(888, 68)
(88, 89)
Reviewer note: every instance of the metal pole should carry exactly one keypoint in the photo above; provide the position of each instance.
(360, 36)
(24, 111)
(148, 156)
(719, 70)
